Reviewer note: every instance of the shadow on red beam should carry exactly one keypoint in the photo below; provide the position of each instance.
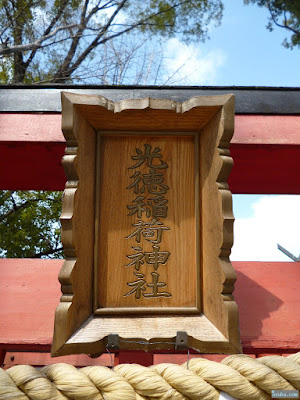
(265, 169)
(32, 166)
(258, 169)
(24, 347)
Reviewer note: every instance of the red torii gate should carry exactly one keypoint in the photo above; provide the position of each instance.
(266, 152)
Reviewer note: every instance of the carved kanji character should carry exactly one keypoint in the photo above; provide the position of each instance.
(155, 285)
(151, 231)
(154, 182)
(156, 257)
(137, 208)
(135, 183)
(137, 259)
(137, 286)
(149, 157)
(137, 233)
(159, 208)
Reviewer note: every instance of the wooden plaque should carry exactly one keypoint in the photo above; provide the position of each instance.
(147, 225)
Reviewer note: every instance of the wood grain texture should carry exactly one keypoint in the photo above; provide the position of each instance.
(150, 334)
(77, 221)
(217, 225)
(180, 271)
(149, 114)
(201, 165)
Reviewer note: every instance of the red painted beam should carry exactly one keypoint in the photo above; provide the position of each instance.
(266, 152)
(32, 166)
(267, 294)
(258, 169)
(265, 169)
(249, 129)
(33, 128)
(267, 129)
(134, 357)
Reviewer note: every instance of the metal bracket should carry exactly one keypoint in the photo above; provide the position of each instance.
(113, 342)
(181, 340)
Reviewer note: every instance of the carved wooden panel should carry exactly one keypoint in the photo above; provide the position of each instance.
(147, 225)
(147, 230)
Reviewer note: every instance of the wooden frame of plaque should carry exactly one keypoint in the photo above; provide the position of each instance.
(147, 225)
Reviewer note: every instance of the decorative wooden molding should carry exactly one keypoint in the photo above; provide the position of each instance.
(95, 130)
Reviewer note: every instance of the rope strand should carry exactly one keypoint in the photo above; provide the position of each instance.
(239, 376)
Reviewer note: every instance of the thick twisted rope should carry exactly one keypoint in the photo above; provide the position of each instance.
(238, 375)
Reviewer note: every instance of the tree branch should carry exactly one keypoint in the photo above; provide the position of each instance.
(16, 208)
(103, 34)
(75, 42)
(66, 70)
(285, 25)
(33, 45)
(29, 4)
(46, 252)
(48, 30)
(65, 75)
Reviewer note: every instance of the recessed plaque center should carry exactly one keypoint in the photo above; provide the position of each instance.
(147, 223)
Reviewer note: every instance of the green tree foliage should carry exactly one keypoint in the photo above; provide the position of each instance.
(61, 41)
(29, 226)
(53, 41)
(284, 14)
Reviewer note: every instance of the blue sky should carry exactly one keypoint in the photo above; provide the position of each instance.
(241, 52)
(254, 55)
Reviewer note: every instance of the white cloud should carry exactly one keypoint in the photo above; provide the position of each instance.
(274, 219)
(190, 65)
